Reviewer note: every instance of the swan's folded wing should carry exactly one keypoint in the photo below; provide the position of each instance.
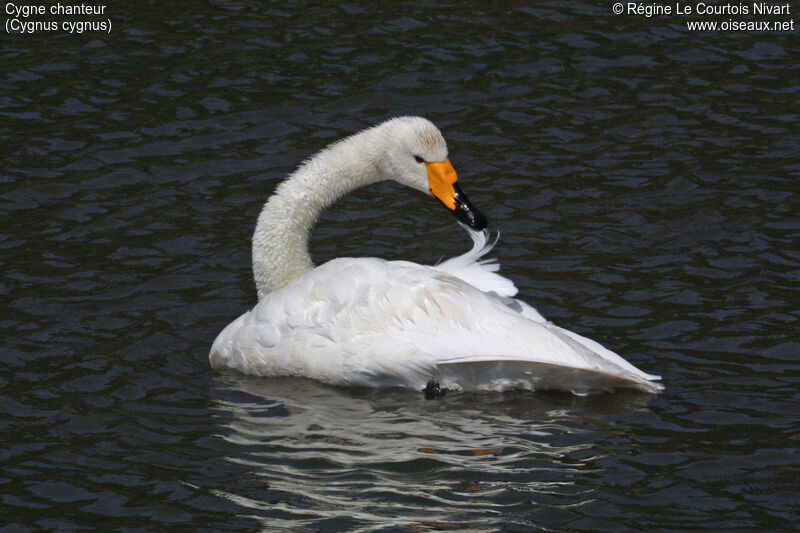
(480, 340)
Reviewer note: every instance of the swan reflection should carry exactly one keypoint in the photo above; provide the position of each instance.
(392, 458)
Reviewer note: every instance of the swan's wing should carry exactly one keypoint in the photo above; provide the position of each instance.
(554, 358)
(341, 323)
(373, 322)
(479, 272)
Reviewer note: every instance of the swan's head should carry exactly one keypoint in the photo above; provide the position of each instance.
(415, 154)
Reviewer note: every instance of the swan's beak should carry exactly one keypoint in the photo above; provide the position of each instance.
(443, 183)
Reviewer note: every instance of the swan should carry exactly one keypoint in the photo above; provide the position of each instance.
(377, 323)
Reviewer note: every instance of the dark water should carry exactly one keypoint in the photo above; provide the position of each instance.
(644, 179)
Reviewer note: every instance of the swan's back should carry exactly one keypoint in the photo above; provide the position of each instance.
(393, 323)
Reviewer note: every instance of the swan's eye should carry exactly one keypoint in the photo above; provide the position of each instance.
(418, 159)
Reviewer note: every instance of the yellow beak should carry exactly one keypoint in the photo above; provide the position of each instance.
(443, 183)
(441, 177)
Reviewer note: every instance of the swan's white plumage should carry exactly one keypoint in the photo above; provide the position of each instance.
(367, 321)
(478, 272)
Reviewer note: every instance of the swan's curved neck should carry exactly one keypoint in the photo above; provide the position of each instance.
(280, 241)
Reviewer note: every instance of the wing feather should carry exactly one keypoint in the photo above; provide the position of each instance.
(472, 268)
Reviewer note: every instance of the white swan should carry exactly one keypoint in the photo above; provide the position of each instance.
(366, 321)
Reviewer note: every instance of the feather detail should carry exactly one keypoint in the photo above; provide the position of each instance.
(478, 272)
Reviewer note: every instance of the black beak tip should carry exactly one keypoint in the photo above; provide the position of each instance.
(471, 217)
(467, 213)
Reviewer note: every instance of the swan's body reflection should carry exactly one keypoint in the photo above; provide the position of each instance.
(390, 458)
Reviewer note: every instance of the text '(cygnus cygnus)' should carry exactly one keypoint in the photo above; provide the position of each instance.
(371, 322)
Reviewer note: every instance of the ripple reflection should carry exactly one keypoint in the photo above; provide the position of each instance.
(374, 459)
